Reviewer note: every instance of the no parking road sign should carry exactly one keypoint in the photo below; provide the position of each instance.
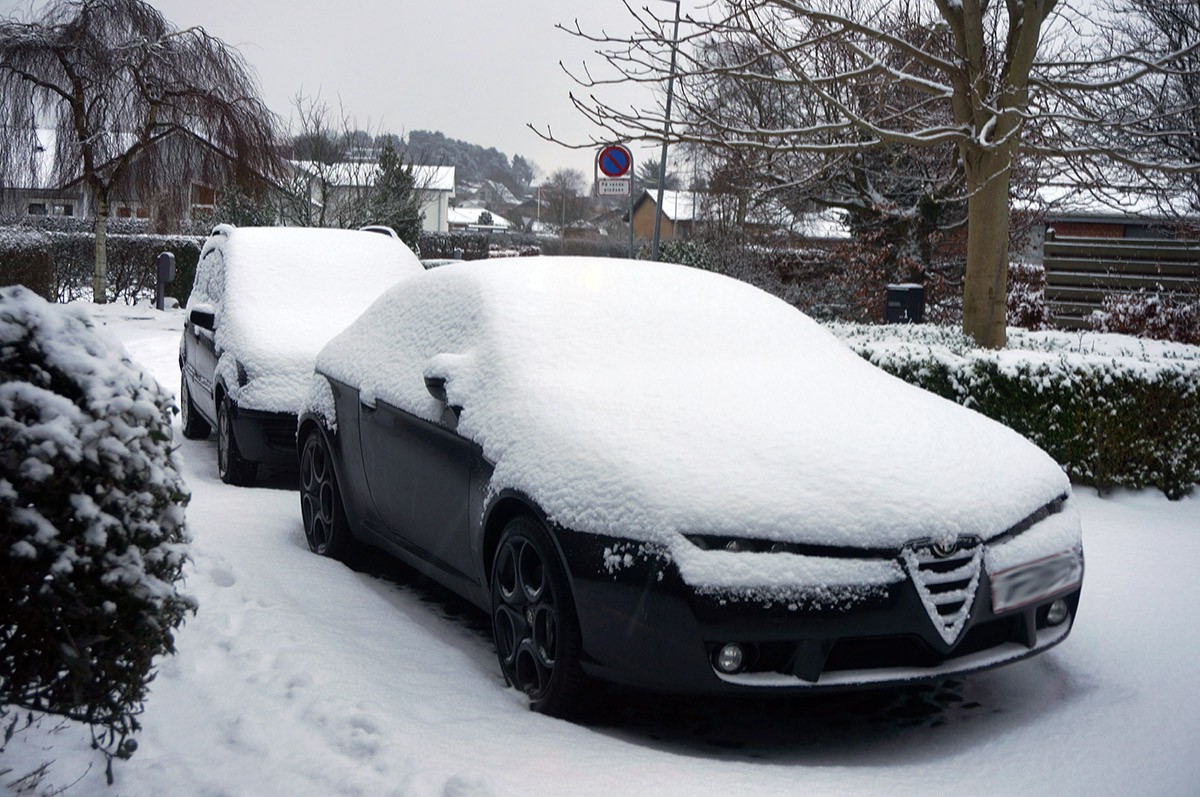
(614, 161)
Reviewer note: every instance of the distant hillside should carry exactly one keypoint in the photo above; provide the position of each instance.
(472, 163)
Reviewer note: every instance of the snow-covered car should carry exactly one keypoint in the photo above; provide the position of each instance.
(662, 477)
(264, 302)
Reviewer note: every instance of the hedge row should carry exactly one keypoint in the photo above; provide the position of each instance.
(478, 246)
(1112, 410)
(58, 265)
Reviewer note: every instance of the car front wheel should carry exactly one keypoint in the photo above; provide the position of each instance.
(325, 526)
(231, 465)
(533, 619)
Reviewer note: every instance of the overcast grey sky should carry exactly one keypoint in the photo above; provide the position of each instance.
(477, 70)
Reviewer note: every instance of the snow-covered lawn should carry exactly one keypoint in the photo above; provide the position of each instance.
(299, 676)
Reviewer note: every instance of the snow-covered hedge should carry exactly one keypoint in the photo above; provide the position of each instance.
(92, 533)
(1111, 409)
(70, 257)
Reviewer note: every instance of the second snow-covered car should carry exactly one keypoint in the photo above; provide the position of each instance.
(264, 302)
(663, 477)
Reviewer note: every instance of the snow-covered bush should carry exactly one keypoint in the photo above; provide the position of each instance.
(1027, 296)
(92, 534)
(1112, 410)
(1150, 315)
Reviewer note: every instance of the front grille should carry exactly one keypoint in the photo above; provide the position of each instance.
(946, 582)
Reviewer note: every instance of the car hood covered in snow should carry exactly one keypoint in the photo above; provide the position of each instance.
(648, 400)
(280, 294)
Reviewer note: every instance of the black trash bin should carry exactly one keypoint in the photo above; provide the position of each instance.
(905, 304)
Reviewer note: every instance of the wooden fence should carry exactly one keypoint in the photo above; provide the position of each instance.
(1081, 272)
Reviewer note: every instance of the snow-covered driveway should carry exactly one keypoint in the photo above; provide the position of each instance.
(299, 676)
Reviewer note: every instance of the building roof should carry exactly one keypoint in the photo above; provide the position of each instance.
(469, 217)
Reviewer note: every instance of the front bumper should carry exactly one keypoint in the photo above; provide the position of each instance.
(643, 626)
(268, 437)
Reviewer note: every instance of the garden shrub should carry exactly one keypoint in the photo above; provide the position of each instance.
(72, 255)
(92, 532)
(1027, 296)
(1110, 414)
(25, 259)
(1159, 316)
(692, 252)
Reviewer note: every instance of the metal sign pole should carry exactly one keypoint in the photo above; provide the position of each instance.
(662, 162)
(631, 253)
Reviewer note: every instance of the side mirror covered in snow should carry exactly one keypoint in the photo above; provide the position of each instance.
(436, 385)
(203, 316)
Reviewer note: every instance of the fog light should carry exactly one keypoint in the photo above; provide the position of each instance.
(1058, 612)
(735, 546)
(730, 658)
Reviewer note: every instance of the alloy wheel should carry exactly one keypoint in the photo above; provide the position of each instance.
(317, 495)
(525, 617)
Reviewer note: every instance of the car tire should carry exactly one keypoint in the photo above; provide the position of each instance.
(231, 465)
(534, 623)
(194, 426)
(325, 525)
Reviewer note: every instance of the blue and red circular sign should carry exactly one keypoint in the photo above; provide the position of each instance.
(614, 161)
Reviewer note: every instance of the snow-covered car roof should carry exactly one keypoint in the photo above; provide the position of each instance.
(648, 399)
(280, 294)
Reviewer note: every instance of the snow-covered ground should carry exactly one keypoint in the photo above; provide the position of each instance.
(299, 677)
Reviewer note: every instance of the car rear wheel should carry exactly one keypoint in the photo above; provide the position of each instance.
(325, 526)
(533, 620)
(231, 465)
(194, 426)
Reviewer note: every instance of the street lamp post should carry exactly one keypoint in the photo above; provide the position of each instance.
(662, 161)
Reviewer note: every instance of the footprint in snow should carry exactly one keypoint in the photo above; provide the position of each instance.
(467, 786)
(223, 576)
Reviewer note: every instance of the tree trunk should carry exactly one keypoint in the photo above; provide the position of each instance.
(100, 274)
(985, 288)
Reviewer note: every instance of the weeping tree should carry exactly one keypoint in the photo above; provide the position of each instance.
(990, 81)
(137, 106)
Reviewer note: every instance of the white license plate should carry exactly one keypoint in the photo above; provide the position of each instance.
(1028, 583)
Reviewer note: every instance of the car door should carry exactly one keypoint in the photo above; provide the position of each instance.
(200, 365)
(199, 339)
(419, 477)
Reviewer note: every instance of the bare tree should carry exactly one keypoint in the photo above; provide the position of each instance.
(1154, 120)
(135, 102)
(903, 197)
(963, 74)
(566, 190)
(345, 176)
(324, 186)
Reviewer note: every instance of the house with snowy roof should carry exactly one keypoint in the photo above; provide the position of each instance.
(685, 213)
(333, 185)
(477, 219)
(44, 187)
